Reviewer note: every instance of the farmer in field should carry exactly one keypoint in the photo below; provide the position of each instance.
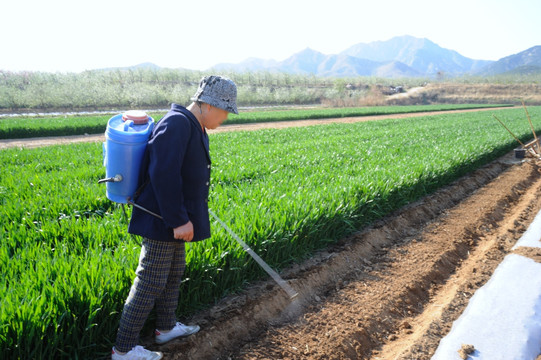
(174, 184)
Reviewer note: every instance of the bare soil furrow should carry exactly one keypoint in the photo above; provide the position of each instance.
(390, 291)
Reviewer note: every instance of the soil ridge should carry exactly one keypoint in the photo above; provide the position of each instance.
(360, 297)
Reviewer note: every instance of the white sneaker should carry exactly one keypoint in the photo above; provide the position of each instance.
(178, 331)
(137, 353)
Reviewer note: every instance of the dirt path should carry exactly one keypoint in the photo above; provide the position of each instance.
(56, 140)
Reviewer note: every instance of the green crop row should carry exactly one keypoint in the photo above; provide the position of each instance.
(39, 126)
(67, 262)
(287, 115)
(27, 127)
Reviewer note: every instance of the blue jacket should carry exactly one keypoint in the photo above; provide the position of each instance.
(176, 174)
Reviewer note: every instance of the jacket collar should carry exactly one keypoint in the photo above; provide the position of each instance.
(193, 119)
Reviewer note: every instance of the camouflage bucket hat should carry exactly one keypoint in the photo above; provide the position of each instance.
(219, 92)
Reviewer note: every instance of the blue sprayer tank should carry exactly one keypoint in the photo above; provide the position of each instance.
(126, 139)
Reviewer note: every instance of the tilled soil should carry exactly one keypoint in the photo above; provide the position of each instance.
(391, 291)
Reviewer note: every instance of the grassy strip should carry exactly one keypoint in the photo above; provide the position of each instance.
(16, 128)
(29, 127)
(287, 115)
(67, 263)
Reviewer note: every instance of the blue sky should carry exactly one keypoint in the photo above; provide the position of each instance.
(72, 36)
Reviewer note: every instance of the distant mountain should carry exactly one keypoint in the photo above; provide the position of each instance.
(306, 61)
(422, 55)
(145, 65)
(401, 56)
(527, 61)
(396, 69)
(525, 70)
(310, 61)
(346, 66)
(250, 64)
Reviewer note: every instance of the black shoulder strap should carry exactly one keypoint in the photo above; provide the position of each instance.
(144, 177)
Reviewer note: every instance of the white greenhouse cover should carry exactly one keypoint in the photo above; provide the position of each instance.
(503, 318)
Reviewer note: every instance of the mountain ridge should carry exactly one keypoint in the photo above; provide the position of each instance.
(401, 56)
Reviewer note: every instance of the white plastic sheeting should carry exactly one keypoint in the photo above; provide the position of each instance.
(503, 318)
(532, 236)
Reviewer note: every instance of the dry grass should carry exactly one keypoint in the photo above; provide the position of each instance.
(454, 93)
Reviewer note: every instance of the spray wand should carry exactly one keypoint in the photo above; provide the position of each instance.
(281, 282)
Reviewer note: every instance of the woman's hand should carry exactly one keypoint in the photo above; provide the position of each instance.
(184, 232)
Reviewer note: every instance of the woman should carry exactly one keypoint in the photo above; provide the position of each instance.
(175, 184)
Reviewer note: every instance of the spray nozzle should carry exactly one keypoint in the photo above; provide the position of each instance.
(116, 178)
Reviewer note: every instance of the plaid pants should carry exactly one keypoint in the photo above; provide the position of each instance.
(157, 282)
